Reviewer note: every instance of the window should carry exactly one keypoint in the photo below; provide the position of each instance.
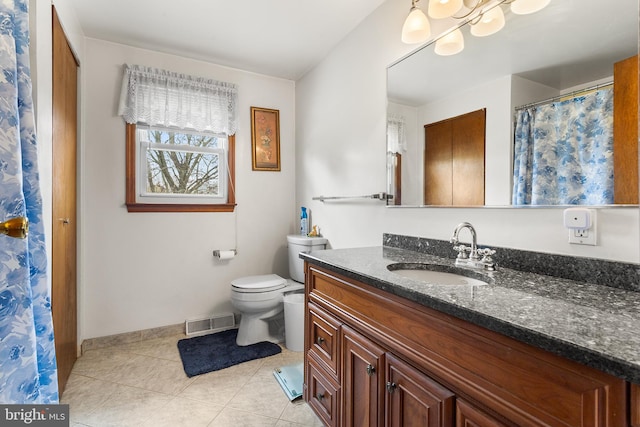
(179, 171)
(180, 141)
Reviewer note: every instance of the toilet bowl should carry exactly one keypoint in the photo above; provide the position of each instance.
(259, 299)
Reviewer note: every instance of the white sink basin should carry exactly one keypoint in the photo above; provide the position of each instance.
(431, 273)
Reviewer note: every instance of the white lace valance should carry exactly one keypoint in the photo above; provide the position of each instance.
(159, 97)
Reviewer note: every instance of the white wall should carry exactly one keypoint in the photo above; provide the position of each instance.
(340, 137)
(144, 270)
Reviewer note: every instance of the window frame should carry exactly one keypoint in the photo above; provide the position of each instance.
(131, 179)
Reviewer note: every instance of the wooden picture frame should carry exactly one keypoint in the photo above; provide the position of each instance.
(265, 139)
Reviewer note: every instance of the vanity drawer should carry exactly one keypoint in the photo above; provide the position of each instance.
(324, 342)
(324, 394)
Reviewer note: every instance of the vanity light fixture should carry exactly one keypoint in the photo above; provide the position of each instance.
(450, 44)
(416, 28)
(488, 23)
(439, 9)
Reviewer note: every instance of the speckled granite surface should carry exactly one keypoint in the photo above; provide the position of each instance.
(596, 325)
(592, 270)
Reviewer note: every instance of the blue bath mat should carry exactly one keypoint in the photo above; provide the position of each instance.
(217, 351)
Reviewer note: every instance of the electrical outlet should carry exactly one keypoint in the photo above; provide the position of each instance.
(583, 236)
(581, 233)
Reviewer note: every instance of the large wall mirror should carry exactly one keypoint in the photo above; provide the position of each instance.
(569, 47)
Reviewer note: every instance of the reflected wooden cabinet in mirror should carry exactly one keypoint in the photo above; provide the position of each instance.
(454, 160)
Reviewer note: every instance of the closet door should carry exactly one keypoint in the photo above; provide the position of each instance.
(454, 161)
(625, 131)
(63, 257)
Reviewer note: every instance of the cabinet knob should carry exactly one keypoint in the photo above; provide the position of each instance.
(371, 369)
(391, 386)
(319, 340)
(320, 396)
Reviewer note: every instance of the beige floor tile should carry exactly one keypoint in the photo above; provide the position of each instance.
(162, 348)
(164, 376)
(133, 370)
(128, 406)
(262, 396)
(85, 395)
(216, 388)
(299, 413)
(143, 384)
(184, 412)
(96, 363)
(233, 418)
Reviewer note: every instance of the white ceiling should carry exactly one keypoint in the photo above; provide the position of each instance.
(281, 38)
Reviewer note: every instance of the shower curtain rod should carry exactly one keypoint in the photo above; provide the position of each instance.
(569, 95)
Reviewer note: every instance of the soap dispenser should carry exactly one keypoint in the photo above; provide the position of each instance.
(304, 222)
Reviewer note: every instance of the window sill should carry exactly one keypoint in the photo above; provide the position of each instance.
(147, 207)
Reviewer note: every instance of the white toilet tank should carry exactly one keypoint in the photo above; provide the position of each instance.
(297, 244)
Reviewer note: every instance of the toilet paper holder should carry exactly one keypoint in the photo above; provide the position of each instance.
(224, 254)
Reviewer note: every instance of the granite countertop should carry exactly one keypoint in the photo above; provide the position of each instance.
(596, 325)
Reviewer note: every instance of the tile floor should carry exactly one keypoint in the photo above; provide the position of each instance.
(143, 384)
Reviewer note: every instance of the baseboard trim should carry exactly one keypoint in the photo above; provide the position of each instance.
(131, 337)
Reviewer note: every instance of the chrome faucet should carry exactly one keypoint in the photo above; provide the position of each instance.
(470, 256)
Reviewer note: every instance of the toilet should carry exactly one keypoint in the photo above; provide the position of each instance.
(259, 299)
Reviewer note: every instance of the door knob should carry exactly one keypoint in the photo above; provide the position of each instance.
(15, 227)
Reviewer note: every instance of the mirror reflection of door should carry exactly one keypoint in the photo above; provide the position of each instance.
(454, 160)
(397, 178)
(625, 131)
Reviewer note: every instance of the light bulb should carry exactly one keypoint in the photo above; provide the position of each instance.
(416, 28)
(450, 44)
(439, 9)
(490, 23)
(524, 7)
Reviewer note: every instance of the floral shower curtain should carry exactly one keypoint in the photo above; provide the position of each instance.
(563, 152)
(28, 372)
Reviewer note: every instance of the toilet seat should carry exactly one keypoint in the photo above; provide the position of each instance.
(257, 284)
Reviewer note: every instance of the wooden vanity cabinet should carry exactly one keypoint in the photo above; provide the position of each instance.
(383, 360)
(363, 380)
(414, 399)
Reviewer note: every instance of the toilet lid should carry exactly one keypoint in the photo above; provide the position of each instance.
(263, 283)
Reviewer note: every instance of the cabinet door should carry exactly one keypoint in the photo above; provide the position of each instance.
(470, 416)
(454, 160)
(415, 400)
(363, 380)
(625, 131)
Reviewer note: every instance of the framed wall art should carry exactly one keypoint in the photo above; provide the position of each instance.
(265, 139)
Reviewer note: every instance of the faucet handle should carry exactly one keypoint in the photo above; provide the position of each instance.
(486, 252)
(486, 257)
(463, 251)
